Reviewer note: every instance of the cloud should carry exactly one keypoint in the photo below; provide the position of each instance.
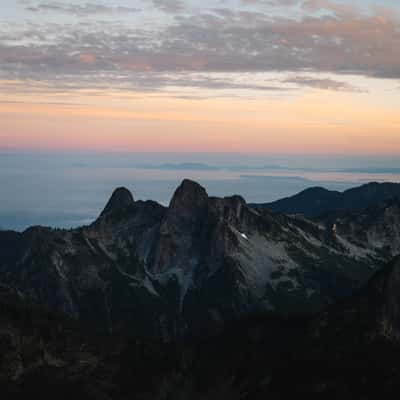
(322, 83)
(47, 103)
(79, 10)
(169, 6)
(216, 41)
(273, 3)
(338, 9)
(87, 58)
(179, 84)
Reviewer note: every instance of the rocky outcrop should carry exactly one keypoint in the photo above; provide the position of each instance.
(120, 199)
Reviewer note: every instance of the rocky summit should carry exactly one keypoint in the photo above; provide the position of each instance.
(121, 198)
(189, 269)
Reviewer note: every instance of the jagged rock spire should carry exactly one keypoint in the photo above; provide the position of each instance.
(188, 194)
(120, 198)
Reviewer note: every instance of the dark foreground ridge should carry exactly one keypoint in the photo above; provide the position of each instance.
(350, 351)
(207, 298)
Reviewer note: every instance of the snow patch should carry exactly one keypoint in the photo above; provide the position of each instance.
(238, 233)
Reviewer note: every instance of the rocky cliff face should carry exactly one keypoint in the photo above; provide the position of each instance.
(148, 270)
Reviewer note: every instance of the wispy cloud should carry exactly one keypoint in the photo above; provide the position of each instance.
(273, 3)
(169, 6)
(323, 83)
(339, 9)
(79, 9)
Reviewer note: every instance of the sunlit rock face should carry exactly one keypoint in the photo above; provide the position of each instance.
(166, 272)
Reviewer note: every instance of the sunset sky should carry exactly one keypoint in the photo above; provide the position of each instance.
(267, 76)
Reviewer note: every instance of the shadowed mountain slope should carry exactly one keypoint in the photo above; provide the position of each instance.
(314, 202)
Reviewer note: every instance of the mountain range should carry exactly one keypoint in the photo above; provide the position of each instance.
(206, 298)
(316, 201)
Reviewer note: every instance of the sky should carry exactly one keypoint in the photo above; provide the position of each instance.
(249, 76)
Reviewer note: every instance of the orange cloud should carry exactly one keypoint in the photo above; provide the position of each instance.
(87, 58)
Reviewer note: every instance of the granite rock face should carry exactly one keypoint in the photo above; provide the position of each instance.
(188, 269)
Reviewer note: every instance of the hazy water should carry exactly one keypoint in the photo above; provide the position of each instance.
(66, 190)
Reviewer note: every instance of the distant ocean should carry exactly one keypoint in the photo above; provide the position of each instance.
(67, 190)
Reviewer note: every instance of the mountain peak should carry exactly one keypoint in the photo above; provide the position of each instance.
(120, 198)
(189, 193)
